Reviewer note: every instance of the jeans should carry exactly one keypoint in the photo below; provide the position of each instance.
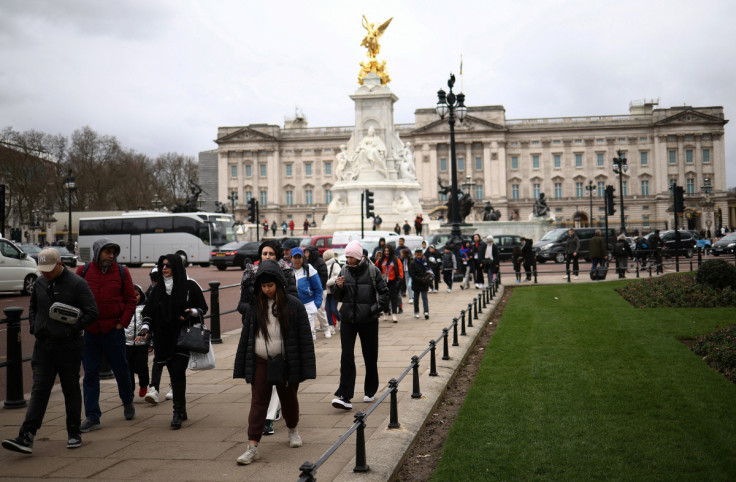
(112, 346)
(368, 333)
(331, 310)
(49, 359)
(425, 301)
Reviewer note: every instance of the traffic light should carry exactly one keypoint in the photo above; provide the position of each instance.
(369, 204)
(679, 194)
(252, 210)
(609, 200)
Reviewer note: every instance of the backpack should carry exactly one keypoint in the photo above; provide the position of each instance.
(122, 275)
(618, 249)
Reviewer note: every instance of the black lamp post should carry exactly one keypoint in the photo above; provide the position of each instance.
(233, 197)
(590, 188)
(156, 202)
(620, 167)
(70, 186)
(454, 105)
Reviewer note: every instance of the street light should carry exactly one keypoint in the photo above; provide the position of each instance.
(620, 167)
(448, 103)
(314, 218)
(233, 197)
(590, 188)
(70, 186)
(707, 204)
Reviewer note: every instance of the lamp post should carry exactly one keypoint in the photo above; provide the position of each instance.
(156, 202)
(70, 186)
(233, 197)
(448, 103)
(620, 167)
(590, 188)
(707, 204)
(314, 217)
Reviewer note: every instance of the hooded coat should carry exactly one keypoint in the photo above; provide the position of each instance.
(364, 297)
(249, 277)
(298, 344)
(115, 297)
(316, 260)
(163, 312)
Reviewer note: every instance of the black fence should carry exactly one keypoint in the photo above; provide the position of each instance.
(465, 319)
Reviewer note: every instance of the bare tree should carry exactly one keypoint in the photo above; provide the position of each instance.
(173, 172)
(93, 158)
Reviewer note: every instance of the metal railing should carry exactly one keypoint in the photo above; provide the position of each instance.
(309, 469)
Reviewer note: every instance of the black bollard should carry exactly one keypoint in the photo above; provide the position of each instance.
(307, 475)
(470, 313)
(14, 381)
(445, 348)
(361, 464)
(393, 385)
(455, 342)
(215, 313)
(415, 376)
(700, 257)
(481, 304)
(462, 323)
(433, 359)
(637, 270)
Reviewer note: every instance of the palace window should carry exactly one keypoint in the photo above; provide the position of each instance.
(248, 196)
(514, 191)
(601, 188)
(535, 162)
(263, 170)
(578, 160)
(689, 156)
(514, 162)
(443, 164)
(645, 188)
(233, 171)
(328, 168)
(690, 185)
(706, 155)
(289, 198)
(644, 158)
(537, 190)
(328, 196)
(460, 163)
(248, 170)
(558, 161)
(264, 199)
(558, 190)
(672, 157)
(308, 197)
(289, 170)
(579, 189)
(479, 191)
(599, 159)
(307, 168)
(478, 163)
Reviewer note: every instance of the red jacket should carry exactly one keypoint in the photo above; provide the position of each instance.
(115, 304)
(392, 274)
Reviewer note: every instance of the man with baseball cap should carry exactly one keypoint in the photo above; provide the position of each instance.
(309, 286)
(61, 307)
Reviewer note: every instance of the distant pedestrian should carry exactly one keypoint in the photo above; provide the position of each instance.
(467, 263)
(434, 260)
(57, 350)
(265, 228)
(477, 253)
(418, 224)
(421, 276)
(291, 226)
(517, 260)
(530, 260)
(406, 227)
(491, 260)
(392, 271)
(622, 252)
(655, 247)
(284, 227)
(397, 229)
(572, 249)
(306, 227)
(598, 251)
(449, 267)
(274, 227)
(309, 286)
(276, 333)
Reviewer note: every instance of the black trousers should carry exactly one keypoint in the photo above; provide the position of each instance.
(51, 358)
(368, 333)
(177, 367)
(394, 294)
(138, 364)
(575, 266)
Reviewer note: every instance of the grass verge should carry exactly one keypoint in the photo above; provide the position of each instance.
(578, 384)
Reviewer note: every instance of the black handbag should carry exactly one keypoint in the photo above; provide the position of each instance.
(194, 337)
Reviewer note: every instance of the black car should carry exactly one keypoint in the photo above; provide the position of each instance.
(237, 254)
(506, 244)
(670, 246)
(31, 250)
(67, 257)
(725, 245)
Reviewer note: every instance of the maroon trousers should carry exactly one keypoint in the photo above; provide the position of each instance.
(261, 396)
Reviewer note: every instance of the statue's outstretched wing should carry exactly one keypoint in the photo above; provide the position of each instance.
(384, 26)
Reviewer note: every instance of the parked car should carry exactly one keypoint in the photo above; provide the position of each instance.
(323, 242)
(18, 271)
(67, 257)
(439, 240)
(506, 244)
(552, 244)
(725, 245)
(703, 243)
(671, 247)
(237, 254)
(31, 250)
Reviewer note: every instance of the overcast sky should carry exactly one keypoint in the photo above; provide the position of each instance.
(162, 75)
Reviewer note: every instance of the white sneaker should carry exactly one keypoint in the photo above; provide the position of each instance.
(343, 404)
(170, 394)
(368, 399)
(564, 276)
(294, 439)
(152, 396)
(328, 333)
(449, 290)
(411, 300)
(576, 277)
(249, 455)
(332, 330)
(416, 315)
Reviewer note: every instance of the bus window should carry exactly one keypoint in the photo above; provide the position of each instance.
(134, 225)
(92, 227)
(187, 225)
(160, 225)
(113, 226)
(204, 234)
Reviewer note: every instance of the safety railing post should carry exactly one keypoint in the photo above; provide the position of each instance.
(433, 359)
(481, 303)
(361, 464)
(637, 270)
(445, 348)
(215, 312)
(470, 314)
(14, 381)
(307, 474)
(415, 377)
(462, 323)
(455, 341)
(393, 385)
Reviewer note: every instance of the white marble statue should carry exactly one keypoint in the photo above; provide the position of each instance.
(346, 169)
(402, 205)
(337, 204)
(407, 168)
(371, 154)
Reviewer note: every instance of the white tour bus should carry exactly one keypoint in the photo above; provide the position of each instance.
(144, 236)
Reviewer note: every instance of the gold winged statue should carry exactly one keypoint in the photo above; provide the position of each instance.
(370, 41)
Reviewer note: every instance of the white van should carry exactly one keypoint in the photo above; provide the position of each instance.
(340, 239)
(18, 271)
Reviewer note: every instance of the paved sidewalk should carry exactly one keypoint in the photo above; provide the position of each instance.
(215, 434)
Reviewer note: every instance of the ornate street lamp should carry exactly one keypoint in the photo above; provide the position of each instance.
(707, 204)
(620, 167)
(590, 188)
(233, 197)
(70, 186)
(156, 202)
(448, 103)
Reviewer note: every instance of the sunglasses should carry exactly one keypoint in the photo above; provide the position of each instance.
(166, 265)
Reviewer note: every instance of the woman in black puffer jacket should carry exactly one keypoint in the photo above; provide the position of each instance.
(276, 325)
(364, 296)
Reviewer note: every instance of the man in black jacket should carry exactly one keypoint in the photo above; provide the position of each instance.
(58, 347)
(364, 296)
(572, 249)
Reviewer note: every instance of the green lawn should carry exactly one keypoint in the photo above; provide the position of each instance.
(576, 385)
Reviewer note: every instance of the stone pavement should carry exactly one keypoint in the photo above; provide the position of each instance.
(215, 434)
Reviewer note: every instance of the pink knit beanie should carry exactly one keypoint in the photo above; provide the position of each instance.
(354, 250)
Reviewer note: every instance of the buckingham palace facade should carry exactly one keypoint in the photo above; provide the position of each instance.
(508, 162)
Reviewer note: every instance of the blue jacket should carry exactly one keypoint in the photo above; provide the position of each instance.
(308, 285)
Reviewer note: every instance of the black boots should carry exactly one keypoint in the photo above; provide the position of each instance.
(180, 404)
(179, 417)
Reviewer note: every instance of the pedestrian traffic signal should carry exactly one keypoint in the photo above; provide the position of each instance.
(369, 213)
(679, 195)
(252, 210)
(609, 200)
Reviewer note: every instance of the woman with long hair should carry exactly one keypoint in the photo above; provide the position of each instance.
(174, 300)
(393, 272)
(275, 328)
